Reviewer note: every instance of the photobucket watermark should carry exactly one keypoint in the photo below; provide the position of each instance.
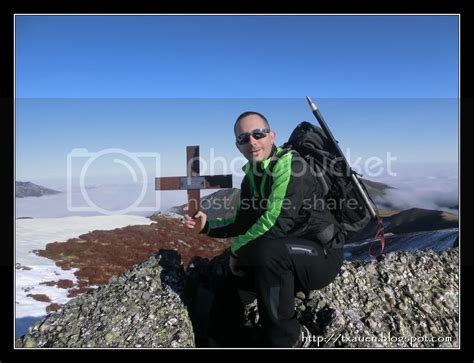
(258, 205)
(319, 166)
(81, 164)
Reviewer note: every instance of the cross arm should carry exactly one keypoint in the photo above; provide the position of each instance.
(195, 182)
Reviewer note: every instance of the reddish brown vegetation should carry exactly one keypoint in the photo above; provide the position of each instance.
(63, 284)
(40, 297)
(52, 307)
(99, 255)
(49, 283)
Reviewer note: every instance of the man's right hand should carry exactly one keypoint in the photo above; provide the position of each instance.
(197, 222)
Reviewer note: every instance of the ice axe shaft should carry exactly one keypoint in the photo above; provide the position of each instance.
(354, 177)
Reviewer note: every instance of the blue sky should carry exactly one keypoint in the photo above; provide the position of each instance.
(159, 83)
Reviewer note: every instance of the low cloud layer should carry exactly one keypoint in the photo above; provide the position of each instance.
(427, 186)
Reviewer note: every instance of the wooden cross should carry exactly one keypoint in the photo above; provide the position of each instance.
(193, 182)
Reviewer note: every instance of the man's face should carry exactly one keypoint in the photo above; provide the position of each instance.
(255, 150)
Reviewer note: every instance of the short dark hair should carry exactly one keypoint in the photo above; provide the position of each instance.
(248, 113)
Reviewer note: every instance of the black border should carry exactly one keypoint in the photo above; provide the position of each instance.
(335, 7)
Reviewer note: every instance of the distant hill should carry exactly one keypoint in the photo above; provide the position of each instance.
(412, 220)
(28, 189)
(376, 189)
(417, 219)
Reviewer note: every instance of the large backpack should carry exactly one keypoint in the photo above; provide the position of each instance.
(333, 177)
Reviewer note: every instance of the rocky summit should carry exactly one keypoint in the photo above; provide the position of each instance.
(140, 308)
(404, 299)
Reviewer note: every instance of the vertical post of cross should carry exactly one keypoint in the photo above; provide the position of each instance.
(193, 182)
(193, 170)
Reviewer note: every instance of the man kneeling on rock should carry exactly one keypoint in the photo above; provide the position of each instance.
(280, 248)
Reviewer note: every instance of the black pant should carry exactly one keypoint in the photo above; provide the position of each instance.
(276, 270)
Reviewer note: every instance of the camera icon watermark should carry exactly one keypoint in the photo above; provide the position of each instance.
(138, 196)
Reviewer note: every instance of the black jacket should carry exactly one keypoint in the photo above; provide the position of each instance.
(279, 198)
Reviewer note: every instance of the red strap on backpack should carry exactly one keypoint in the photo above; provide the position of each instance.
(380, 232)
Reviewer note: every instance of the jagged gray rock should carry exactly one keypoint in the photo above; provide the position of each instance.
(404, 299)
(141, 308)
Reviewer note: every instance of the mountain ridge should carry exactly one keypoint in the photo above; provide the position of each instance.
(29, 189)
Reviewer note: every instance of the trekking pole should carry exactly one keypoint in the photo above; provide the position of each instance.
(353, 174)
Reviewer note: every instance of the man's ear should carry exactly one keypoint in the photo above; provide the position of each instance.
(273, 134)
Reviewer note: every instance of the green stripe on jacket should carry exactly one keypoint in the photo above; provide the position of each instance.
(281, 178)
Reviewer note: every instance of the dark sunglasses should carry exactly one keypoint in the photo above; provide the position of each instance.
(257, 134)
